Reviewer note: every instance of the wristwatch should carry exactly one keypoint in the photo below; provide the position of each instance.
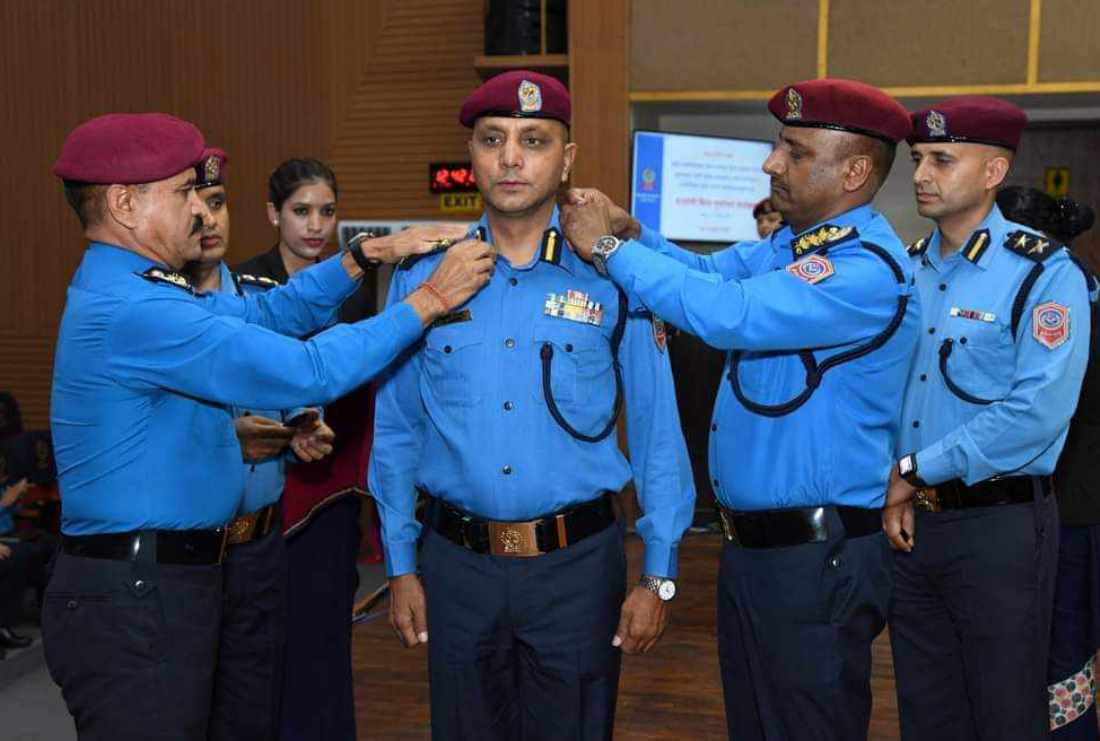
(605, 247)
(665, 589)
(907, 469)
(355, 247)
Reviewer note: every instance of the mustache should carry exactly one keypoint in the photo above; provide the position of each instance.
(196, 226)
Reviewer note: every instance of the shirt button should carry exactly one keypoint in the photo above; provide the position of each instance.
(715, 483)
(446, 348)
(513, 282)
(71, 604)
(714, 428)
(509, 406)
(962, 340)
(931, 330)
(943, 286)
(507, 470)
(569, 347)
(509, 343)
(924, 376)
(916, 423)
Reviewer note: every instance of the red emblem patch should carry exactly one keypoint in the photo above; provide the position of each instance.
(812, 269)
(1050, 324)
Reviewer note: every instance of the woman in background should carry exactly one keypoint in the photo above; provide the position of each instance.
(1076, 625)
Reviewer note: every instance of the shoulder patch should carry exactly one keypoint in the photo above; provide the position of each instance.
(812, 269)
(1050, 324)
(917, 248)
(261, 281)
(170, 277)
(824, 236)
(1032, 246)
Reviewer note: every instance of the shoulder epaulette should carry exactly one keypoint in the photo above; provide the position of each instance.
(261, 281)
(824, 236)
(169, 277)
(1032, 246)
(915, 249)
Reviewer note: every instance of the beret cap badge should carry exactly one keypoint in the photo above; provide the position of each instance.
(936, 123)
(794, 104)
(530, 97)
(212, 168)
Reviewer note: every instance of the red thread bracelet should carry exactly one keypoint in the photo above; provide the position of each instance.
(435, 292)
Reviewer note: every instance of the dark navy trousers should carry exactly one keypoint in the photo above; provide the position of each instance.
(795, 627)
(970, 623)
(248, 682)
(520, 648)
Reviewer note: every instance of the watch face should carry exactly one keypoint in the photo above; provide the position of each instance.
(667, 590)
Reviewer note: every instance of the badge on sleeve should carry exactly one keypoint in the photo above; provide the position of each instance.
(812, 269)
(660, 333)
(1050, 324)
(575, 306)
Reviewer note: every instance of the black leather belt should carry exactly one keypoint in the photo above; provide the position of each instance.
(780, 528)
(954, 494)
(253, 526)
(181, 547)
(520, 539)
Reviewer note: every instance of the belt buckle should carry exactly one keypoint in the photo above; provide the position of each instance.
(516, 539)
(927, 500)
(240, 530)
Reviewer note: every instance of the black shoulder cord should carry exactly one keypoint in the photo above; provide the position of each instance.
(547, 355)
(814, 370)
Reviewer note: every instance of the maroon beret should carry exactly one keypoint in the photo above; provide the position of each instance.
(210, 170)
(129, 148)
(970, 118)
(847, 105)
(519, 93)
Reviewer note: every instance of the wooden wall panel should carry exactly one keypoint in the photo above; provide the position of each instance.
(935, 42)
(599, 45)
(722, 44)
(1068, 41)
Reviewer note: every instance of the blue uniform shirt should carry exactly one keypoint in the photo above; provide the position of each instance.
(263, 480)
(757, 300)
(465, 417)
(145, 372)
(7, 523)
(1031, 379)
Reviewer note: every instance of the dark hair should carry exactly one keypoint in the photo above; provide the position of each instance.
(86, 199)
(765, 206)
(1063, 219)
(293, 174)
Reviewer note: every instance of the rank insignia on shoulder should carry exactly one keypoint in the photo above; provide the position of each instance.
(976, 246)
(575, 306)
(918, 247)
(1031, 246)
(257, 280)
(978, 316)
(821, 237)
(1050, 324)
(455, 317)
(171, 277)
(812, 269)
(660, 333)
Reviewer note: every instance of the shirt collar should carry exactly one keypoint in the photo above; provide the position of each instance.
(976, 249)
(114, 257)
(228, 284)
(553, 247)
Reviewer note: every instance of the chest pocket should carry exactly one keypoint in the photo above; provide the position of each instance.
(977, 360)
(453, 355)
(576, 364)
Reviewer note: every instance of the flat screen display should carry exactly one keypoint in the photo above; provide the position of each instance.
(698, 188)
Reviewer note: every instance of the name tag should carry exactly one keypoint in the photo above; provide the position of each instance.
(455, 317)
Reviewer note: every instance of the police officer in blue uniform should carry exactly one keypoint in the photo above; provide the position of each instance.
(820, 324)
(505, 418)
(149, 466)
(251, 647)
(991, 392)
